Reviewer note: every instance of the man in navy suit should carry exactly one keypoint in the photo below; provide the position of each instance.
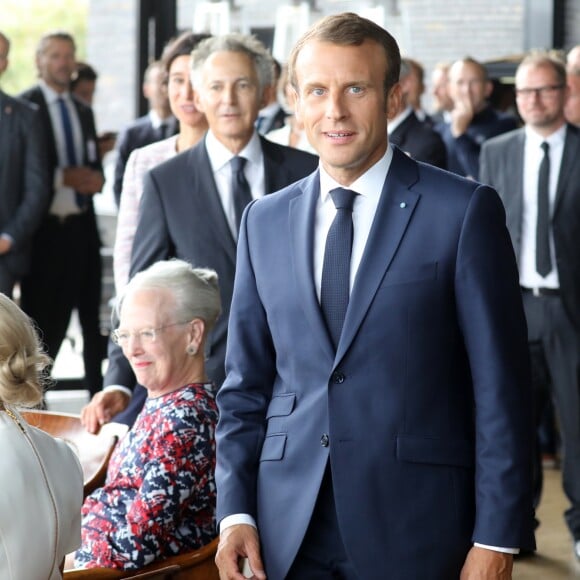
(394, 442)
(188, 205)
(23, 181)
(65, 271)
(158, 124)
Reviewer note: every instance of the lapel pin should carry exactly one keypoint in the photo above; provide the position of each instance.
(402, 205)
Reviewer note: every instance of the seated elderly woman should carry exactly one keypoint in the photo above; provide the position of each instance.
(159, 495)
(41, 477)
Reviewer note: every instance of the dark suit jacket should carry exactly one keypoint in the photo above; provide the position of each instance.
(420, 141)
(424, 409)
(181, 216)
(502, 166)
(137, 134)
(24, 179)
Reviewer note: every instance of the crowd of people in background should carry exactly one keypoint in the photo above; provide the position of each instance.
(228, 125)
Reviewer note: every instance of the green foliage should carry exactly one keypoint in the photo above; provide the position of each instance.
(24, 22)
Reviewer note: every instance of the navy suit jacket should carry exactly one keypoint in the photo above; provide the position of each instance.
(24, 179)
(181, 216)
(502, 166)
(138, 134)
(423, 410)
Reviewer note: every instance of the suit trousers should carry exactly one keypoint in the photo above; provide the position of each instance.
(65, 274)
(322, 555)
(555, 351)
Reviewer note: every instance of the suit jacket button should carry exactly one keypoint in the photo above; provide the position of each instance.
(338, 377)
(324, 440)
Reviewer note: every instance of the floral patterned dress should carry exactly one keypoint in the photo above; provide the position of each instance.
(159, 497)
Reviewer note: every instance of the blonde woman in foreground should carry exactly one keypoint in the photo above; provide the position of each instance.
(42, 481)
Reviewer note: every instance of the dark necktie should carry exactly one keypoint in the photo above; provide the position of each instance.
(543, 260)
(335, 286)
(69, 142)
(242, 194)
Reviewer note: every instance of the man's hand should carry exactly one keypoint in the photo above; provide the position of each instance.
(83, 179)
(5, 245)
(236, 543)
(461, 116)
(484, 564)
(102, 408)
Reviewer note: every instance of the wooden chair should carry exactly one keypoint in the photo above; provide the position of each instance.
(93, 451)
(195, 565)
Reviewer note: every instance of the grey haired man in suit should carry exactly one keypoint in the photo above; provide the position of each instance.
(23, 181)
(191, 208)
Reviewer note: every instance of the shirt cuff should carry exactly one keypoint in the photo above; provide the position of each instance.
(121, 388)
(496, 549)
(236, 519)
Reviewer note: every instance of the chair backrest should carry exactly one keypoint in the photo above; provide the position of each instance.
(194, 565)
(93, 451)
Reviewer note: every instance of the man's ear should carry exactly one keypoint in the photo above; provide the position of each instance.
(268, 94)
(394, 101)
(488, 89)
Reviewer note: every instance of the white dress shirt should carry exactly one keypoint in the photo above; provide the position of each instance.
(533, 154)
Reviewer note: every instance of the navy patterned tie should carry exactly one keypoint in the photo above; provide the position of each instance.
(335, 287)
(242, 195)
(543, 260)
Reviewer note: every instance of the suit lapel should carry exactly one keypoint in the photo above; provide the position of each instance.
(301, 216)
(513, 196)
(394, 213)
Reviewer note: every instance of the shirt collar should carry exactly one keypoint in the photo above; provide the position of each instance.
(220, 155)
(50, 95)
(556, 138)
(369, 184)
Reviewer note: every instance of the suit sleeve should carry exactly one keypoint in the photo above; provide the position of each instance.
(244, 397)
(36, 189)
(491, 317)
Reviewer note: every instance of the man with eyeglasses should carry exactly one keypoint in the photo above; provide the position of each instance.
(536, 172)
(572, 108)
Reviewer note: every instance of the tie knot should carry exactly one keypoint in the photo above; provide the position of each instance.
(546, 147)
(343, 198)
(238, 163)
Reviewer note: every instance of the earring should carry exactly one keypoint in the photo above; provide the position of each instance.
(191, 350)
